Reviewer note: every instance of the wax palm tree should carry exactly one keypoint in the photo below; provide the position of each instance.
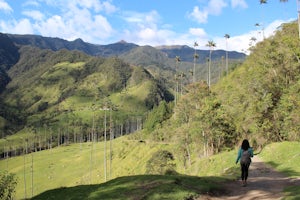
(261, 3)
(252, 41)
(195, 60)
(178, 60)
(211, 44)
(227, 37)
(258, 25)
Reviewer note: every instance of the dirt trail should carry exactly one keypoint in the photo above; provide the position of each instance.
(263, 183)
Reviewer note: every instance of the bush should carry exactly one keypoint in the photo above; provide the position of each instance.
(161, 163)
(8, 184)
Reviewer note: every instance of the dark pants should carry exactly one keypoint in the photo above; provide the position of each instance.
(244, 169)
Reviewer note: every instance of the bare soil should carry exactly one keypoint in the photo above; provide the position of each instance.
(263, 183)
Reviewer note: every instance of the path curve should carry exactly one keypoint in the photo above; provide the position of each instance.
(263, 183)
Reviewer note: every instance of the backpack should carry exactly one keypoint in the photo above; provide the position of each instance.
(245, 158)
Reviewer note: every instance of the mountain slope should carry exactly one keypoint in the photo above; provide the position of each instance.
(48, 87)
(78, 44)
(8, 57)
(262, 95)
(186, 53)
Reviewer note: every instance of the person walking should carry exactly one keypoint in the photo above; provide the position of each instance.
(244, 156)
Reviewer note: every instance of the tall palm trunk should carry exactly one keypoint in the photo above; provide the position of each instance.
(195, 60)
(211, 44)
(227, 37)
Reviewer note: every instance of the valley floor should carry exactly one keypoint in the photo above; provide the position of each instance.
(263, 183)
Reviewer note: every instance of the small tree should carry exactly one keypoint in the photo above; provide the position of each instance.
(8, 184)
(161, 162)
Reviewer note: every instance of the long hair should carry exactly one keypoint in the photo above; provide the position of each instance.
(245, 145)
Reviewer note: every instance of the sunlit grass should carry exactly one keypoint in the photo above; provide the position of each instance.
(77, 165)
(284, 156)
(82, 164)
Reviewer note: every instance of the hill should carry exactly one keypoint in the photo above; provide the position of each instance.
(8, 57)
(60, 88)
(56, 44)
(159, 61)
(83, 165)
(78, 171)
(186, 53)
(262, 95)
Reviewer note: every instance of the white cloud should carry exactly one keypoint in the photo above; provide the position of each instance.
(241, 43)
(53, 26)
(31, 3)
(109, 8)
(214, 7)
(5, 6)
(198, 15)
(239, 3)
(77, 23)
(198, 32)
(142, 20)
(92, 5)
(34, 14)
(20, 27)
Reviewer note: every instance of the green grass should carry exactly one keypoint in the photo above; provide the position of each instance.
(83, 164)
(150, 187)
(292, 193)
(77, 171)
(285, 157)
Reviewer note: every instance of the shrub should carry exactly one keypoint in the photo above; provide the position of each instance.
(8, 184)
(161, 162)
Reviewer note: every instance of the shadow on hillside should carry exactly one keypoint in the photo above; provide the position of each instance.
(286, 171)
(140, 187)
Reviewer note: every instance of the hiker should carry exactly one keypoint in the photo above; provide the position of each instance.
(244, 155)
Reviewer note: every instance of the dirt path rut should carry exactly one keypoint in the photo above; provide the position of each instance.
(263, 183)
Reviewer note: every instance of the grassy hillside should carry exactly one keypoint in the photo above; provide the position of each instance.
(154, 187)
(262, 95)
(83, 164)
(67, 90)
(284, 156)
(77, 170)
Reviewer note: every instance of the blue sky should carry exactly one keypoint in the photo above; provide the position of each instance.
(148, 22)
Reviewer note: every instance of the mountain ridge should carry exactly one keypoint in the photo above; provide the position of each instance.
(118, 48)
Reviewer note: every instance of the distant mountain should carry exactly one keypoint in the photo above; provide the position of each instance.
(147, 56)
(9, 56)
(119, 48)
(8, 52)
(186, 53)
(78, 44)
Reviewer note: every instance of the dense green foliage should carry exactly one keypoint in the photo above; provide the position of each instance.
(157, 116)
(199, 123)
(161, 162)
(262, 95)
(259, 100)
(8, 184)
